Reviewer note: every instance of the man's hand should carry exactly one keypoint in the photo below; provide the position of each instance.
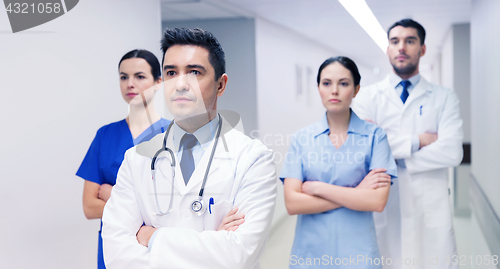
(104, 192)
(375, 179)
(144, 234)
(232, 221)
(311, 187)
(427, 139)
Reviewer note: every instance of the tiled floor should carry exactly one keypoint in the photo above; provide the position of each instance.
(280, 242)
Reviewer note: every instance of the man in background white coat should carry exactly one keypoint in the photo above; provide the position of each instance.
(424, 128)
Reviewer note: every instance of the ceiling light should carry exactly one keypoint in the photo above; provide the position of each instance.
(360, 11)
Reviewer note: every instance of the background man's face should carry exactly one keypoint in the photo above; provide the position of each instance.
(404, 50)
(190, 87)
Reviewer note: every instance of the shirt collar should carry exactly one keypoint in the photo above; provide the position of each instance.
(321, 126)
(356, 125)
(394, 80)
(204, 134)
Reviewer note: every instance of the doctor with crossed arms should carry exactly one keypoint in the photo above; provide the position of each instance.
(176, 219)
(424, 128)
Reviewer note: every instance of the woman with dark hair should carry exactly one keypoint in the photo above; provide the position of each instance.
(140, 76)
(336, 173)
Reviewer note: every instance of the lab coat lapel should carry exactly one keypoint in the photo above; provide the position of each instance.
(420, 89)
(222, 163)
(385, 88)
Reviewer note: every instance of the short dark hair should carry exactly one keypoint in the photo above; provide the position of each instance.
(412, 24)
(196, 37)
(345, 62)
(146, 55)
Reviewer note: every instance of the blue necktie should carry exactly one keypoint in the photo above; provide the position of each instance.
(405, 94)
(188, 141)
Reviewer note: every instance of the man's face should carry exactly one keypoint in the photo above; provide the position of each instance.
(190, 87)
(404, 50)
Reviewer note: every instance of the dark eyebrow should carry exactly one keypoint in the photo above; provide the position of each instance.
(138, 73)
(123, 73)
(196, 66)
(169, 67)
(412, 37)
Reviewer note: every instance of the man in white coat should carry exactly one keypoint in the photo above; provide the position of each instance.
(242, 175)
(424, 128)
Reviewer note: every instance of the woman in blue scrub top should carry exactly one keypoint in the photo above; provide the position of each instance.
(140, 77)
(336, 173)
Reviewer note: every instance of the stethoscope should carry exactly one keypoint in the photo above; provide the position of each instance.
(197, 206)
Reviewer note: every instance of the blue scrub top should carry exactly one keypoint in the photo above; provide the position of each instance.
(106, 154)
(107, 150)
(336, 236)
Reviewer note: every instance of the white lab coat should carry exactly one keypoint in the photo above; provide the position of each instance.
(242, 174)
(417, 221)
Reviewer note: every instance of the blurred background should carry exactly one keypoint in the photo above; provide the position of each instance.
(59, 84)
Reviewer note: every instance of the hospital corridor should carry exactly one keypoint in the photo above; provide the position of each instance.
(250, 134)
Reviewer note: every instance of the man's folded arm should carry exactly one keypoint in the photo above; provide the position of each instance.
(121, 221)
(447, 150)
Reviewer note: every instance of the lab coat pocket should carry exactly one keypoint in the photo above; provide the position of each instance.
(426, 120)
(215, 213)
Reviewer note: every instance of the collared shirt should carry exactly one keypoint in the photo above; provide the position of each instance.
(204, 135)
(341, 232)
(395, 82)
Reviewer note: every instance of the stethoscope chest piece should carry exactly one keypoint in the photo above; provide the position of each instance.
(198, 206)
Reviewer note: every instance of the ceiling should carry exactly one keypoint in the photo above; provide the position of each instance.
(328, 23)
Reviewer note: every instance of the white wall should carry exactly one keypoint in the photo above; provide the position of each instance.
(462, 83)
(455, 69)
(447, 67)
(59, 85)
(281, 111)
(485, 111)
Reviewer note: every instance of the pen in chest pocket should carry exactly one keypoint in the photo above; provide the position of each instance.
(420, 110)
(210, 203)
